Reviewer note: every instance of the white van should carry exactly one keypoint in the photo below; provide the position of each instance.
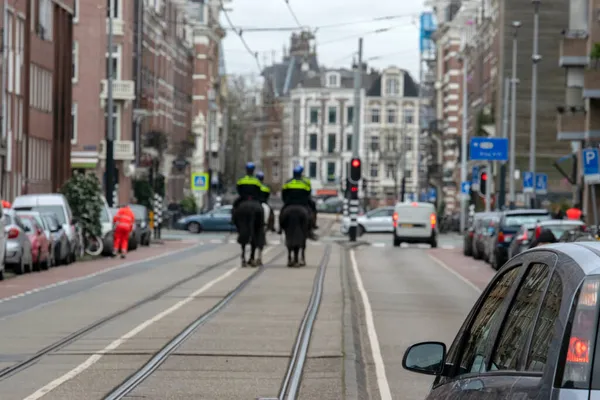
(415, 223)
(52, 203)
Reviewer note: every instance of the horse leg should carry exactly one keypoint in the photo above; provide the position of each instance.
(243, 255)
(296, 250)
(259, 257)
(290, 261)
(252, 262)
(302, 256)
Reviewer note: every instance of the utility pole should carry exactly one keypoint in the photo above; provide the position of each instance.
(404, 154)
(535, 58)
(110, 134)
(5, 45)
(353, 209)
(464, 138)
(513, 116)
(505, 113)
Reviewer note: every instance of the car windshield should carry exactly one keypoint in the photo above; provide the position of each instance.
(57, 210)
(518, 220)
(36, 217)
(104, 217)
(559, 229)
(27, 222)
(139, 212)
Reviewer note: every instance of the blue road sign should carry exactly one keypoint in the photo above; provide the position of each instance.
(432, 195)
(541, 183)
(591, 165)
(475, 178)
(465, 188)
(528, 182)
(200, 181)
(488, 149)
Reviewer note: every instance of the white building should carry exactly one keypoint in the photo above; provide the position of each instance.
(322, 129)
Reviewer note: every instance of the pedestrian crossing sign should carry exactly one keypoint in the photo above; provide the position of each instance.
(199, 181)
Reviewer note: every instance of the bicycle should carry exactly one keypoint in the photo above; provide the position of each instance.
(88, 243)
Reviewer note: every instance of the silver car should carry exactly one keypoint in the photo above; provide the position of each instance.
(378, 220)
(58, 238)
(17, 255)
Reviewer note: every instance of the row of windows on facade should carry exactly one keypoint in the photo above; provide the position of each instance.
(392, 83)
(375, 115)
(391, 171)
(391, 143)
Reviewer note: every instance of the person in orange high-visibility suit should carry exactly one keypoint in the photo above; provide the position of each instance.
(574, 212)
(123, 223)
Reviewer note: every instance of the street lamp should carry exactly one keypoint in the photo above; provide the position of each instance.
(513, 117)
(535, 58)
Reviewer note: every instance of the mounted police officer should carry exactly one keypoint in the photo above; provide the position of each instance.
(298, 192)
(248, 188)
(266, 194)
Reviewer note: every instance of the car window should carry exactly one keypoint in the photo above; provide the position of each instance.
(544, 326)
(472, 357)
(6, 220)
(59, 211)
(51, 222)
(524, 219)
(558, 230)
(520, 319)
(104, 217)
(28, 224)
(222, 211)
(377, 213)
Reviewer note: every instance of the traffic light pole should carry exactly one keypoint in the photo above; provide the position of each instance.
(353, 209)
(488, 190)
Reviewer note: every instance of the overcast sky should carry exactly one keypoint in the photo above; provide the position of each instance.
(335, 44)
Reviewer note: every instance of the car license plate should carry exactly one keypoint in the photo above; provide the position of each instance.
(406, 225)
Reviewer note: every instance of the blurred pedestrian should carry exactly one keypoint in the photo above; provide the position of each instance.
(575, 212)
(123, 225)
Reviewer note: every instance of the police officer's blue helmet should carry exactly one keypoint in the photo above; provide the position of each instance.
(260, 175)
(298, 170)
(250, 167)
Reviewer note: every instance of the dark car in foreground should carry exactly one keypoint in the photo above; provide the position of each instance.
(218, 220)
(532, 334)
(508, 225)
(528, 232)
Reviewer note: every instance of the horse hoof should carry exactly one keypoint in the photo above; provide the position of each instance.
(259, 263)
(290, 264)
(252, 263)
(244, 265)
(302, 264)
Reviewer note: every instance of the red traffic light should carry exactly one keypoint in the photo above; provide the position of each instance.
(484, 177)
(356, 163)
(354, 188)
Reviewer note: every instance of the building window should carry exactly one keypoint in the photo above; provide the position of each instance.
(392, 86)
(331, 143)
(349, 142)
(314, 115)
(75, 73)
(20, 38)
(115, 6)
(76, 11)
(332, 80)
(350, 115)
(391, 116)
(312, 169)
(332, 115)
(374, 143)
(11, 53)
(74, 123)
(275, 171)
(313, 142)
(375, 116)
(409, 116)
(390, 171)
(45, 19)
(116, 122)
(391, 143)
(116, 62)
(408, 144)
(374, 170)
(330, 172)
(408, 173)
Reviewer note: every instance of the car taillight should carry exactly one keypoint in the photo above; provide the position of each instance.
(500, 237)
(395, 218)
(433, 220)
(471, 234)
(523, 237)
(538, 232)
(577, 354)
(13, 233)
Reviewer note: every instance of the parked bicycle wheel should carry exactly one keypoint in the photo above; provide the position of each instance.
(93, 244)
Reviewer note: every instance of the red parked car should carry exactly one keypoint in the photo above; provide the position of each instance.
(40, 246)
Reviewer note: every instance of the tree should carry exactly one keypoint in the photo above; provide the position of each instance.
(84, 194)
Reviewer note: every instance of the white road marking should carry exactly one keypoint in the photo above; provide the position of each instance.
(382, 382)
(404, 245)
(448, 247)
(104, 271)
(118, 342)
(216, 241)
(456, 274)
(378, 244)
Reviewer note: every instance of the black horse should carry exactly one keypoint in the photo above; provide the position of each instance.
(250, 223)
(295, 222)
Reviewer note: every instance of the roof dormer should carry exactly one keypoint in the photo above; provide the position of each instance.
(333, 79)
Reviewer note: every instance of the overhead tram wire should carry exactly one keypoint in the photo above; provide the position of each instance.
(239, 33)
(287, 3)
(372, 32)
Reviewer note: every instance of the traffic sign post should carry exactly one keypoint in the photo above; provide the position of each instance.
(591, 175)
(528, 182)
(475, 178)
(200, 181)
(541, 184)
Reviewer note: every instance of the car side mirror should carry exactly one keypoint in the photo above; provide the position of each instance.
(426, 358)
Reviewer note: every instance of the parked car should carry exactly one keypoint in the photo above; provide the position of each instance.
(46, 228)
(57, 204)
(107, 228)
(528, 232)
(132, 243)
(59, 238)
(489, 243)
(375, 221)
(142, 224)
(216, 220)
(17, 256)
(40, 246)
(532, 334)
(509, 224)
(415, 222)
(481, 233)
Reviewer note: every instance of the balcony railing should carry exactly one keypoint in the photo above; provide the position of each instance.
(571, 126)
(118, 27)
(573, 49)
(122, 90)
(124, 150)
